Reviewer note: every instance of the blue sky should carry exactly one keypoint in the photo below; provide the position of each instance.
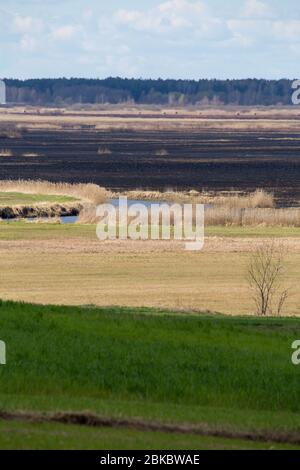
(150, 38)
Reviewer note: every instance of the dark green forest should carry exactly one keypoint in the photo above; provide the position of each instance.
(62, 91)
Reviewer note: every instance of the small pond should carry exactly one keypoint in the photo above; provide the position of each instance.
(115, 202)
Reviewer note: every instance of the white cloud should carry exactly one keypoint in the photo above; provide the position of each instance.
(28, 43)
(287, 30)
(257, 9)
(87, 15)
(175, 18)
(27, 24)
(260, 25)
(168, 16)
(166, 37)
(64, 33)
(250, 29)
(271, 31)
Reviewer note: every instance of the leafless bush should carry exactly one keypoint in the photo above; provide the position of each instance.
(30, 155)
(161, 153)
(104, 151)
(261, 199)
(6, 153)
(265, 277)
(9, 131)
(255, 200)
(88, 215)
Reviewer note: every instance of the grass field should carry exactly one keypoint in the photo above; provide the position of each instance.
(68, 265)
(61, 437)
(21, 230)
(229, 374)
(143, 345)
(15, 199)
(219, 381)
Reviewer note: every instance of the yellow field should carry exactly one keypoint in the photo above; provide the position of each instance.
(81, 270)
(151, 117)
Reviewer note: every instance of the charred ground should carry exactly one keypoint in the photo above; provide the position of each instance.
(160, 159)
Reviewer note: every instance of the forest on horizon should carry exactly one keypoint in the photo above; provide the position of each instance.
(63, 91)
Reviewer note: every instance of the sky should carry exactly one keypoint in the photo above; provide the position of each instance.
(189, 39)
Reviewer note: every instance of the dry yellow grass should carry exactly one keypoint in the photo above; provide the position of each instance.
(31, 155)
(255, 209)
(104, 151)
(259, 198)
(161, 274)
(161, 153)
(89, 193)
(252, 217)
(6, 153)
(140, 118)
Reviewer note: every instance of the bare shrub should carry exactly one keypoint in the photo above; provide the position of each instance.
(104, 151)
(30, 155)
(161, 153)
(262, 199)
(257, 199)
(6, 153)
(88, 215)
(265, 277)
(9, 131)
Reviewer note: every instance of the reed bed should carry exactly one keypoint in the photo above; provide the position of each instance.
(226, 216)
(88, 215)
(10, 131)
(6, 153)
(31, 155)
(161, 153)
(104, 151)
(257, 199)
(88, 193)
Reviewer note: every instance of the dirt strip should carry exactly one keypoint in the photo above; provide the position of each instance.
(201, 429)
(211, 245)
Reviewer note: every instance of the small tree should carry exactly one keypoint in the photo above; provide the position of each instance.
(265, 274)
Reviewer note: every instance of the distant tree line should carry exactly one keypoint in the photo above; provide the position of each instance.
(62, 91)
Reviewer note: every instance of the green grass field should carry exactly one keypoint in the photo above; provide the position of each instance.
(20, 199)
(229, 373)
(21, 230)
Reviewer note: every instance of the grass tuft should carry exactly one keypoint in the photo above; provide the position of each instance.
(6, 153)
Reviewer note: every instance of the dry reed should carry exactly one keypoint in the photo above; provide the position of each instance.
(257, 199)
(30, 155)
(88, 215)
(268, 217)
(104, 151)
(161, 153)
(6, 153)
(224, 216)
(90, 193)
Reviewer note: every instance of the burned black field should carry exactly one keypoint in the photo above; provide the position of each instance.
(183, 159)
